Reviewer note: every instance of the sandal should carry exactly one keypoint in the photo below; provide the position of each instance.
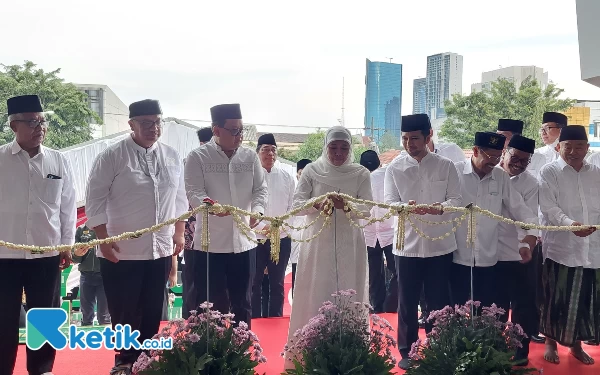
(120, 370)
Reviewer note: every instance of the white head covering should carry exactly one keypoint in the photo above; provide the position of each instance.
(336, 176)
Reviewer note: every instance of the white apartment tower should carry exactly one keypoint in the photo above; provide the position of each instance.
(516, 74)
(444, 78)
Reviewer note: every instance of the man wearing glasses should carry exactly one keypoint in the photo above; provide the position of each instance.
(225, 171)
(489, 188)
(552, 123)
(135, 184)
(514, 267)
(37, 206)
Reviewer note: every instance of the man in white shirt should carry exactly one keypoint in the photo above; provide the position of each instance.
(570, 311)
(421, 177)
(447, 150)
(487, 187)
(298, 222)
(552, 123)
(515, 269)
(225, 171)
(37, 206)
(379, 238)
(281, 186)
(135, 184)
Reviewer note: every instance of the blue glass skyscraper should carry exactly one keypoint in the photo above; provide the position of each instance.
(383, 99)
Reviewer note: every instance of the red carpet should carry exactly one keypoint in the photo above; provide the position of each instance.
(273, 334)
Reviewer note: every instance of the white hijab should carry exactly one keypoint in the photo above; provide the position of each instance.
(336, 176)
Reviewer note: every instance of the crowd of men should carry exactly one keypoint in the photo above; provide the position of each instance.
(549, 279)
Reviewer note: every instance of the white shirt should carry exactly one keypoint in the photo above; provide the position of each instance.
(447, 150)
(297, 221)
(567, 196)
(239, 181)
(490, 193)
(35, 210)
(594, 159)
(541, 157)
(379, 231)
(281, 186)
(132, 188)
(526, 184)
(434, 179)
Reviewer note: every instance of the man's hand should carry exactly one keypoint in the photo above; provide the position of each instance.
(526, 255)
(220, 214)
(338, 202)
(81, 251)
(527, 251)
(320, 206)
(65, 259)
(437, 210)
(108, 252)
(178, 243)
(417, 211)
(172, 280)
(254, 222)
(583, 232)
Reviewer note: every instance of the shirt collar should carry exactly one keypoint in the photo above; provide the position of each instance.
(275, 168)
(216, 145)
(139, 148)
(414, 161)
(16, 148)
(563, 164)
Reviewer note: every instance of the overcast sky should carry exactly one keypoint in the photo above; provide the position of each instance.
(284, 63)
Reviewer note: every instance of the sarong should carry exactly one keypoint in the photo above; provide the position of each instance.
(570, 307)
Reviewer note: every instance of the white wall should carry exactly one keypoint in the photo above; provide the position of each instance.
(588, 13)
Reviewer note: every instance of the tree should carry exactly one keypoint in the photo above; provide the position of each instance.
(480, 111)
(312, 148)
(388, 142)
(70, 123)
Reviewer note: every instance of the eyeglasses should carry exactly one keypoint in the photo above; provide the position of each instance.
(234, 132)
(517, 160)
(546, 129)
(34, 123)
(147, 124)
(492, 158)
(266, 150)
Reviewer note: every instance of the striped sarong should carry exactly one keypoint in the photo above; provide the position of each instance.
(570, 304)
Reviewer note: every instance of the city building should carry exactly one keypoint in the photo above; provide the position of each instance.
(590, 118)
(516, 74)
(113, 112)
(419, 96)
(383, 99)
(444, 78)
(588, 12)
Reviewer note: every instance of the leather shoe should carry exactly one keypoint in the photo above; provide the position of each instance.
(592, 342)
(538, 339)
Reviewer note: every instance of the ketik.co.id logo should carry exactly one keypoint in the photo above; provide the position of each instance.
(45, 326)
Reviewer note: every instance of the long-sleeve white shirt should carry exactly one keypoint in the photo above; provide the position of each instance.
(281, 186)
(239, 181)
(434, 179)
(35, 210)
(490, 192)
(379, 231)
(527, 185)
(541, 157)
(132, 188)
(567, 196)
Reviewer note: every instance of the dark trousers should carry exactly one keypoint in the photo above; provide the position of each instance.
(484, 284)
(276, 278)
(414, 274)
(230, 279)
(293, 277)
(92, 296)
(266, 295)
(518, 293)
(135, 295)
(39, 278)
(382, 297)
(187, 281)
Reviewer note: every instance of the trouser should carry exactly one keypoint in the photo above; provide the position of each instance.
(484, 284)
(39, 278)
(230, 277)
(92, 295)
(135, 295)
(293, 277)
(414, 274)
(187, 281)
(518, 293)
(276, 278)
(383, 299)
(537, 262)
(264, 291)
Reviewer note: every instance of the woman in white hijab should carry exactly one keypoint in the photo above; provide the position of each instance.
(332, 261)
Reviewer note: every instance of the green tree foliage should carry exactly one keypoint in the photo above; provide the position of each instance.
(70, 123)
(388, 141)
(480, 111)
(312, 148)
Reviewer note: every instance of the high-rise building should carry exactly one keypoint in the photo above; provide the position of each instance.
(444, 78)
(383, 99)
(419, 96)
(107, 105)
(588, 12)
(516, 74)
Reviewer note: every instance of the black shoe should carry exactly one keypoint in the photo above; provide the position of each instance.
(592, 342)
(423, 319)
(404, 364)
(538, 339)
(521, 356)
